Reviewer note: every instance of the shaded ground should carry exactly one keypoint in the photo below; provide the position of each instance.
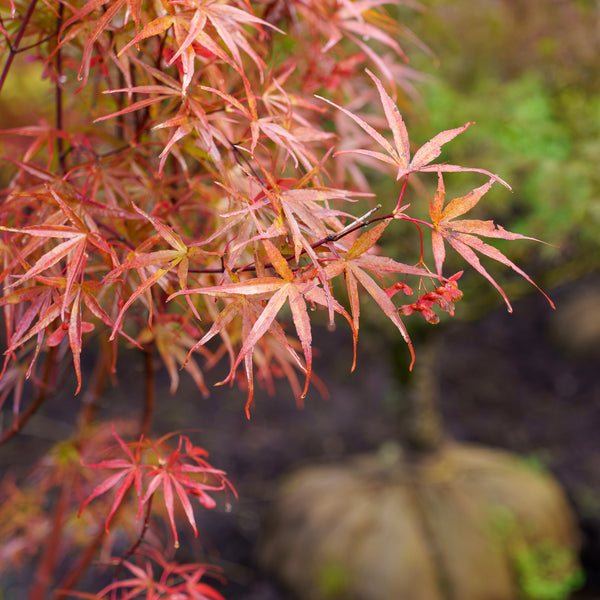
(510, 381)
(505, 382)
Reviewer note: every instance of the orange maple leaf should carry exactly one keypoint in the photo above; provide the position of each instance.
(397, 153)
(462, 234)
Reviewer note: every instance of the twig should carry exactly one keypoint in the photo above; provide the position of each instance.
(14, 48)
(137, 543)
(360, 222)
(149, 390)
(37, 402)
(47, 564)
(72, 577)
(95, 389)
(332, 237)
(59, 95)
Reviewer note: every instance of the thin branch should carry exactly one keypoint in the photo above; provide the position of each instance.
(149, 390)
(138, 542)
(58, 95)
(14, 48)
(332, 237)
(37, 402)
(85, 418)
(95, 389)
(31, 46)
(239, 157)
(74, 575)
(47, 564)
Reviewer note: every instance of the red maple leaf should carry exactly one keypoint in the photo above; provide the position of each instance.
(148, 466)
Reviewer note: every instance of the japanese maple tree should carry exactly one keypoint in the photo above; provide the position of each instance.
(193, 192)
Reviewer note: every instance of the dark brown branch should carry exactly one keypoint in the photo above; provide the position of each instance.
(37, 402)
(85, 418)
(239, 157)
(95, 389)
(138, 542)
(140, 539)
(58, 96)
(332, 237)
(149, 390)
(31, 46)
(15, 46)
(47, 565)
(73, 576)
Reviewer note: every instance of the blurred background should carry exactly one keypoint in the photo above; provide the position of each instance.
(528, 73)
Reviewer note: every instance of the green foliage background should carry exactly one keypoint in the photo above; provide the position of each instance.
(527, 73)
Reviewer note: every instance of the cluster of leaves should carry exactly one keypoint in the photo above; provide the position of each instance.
(141, 470)
(176, 472)
(175, 581)
(189, 198)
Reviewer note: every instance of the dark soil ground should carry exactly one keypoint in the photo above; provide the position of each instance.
(528, 382)
(509, 381)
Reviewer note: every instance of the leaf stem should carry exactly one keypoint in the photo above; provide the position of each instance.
(399, 203)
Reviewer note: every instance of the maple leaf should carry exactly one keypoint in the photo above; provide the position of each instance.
(53, 297)
(86, 294)
(44, 136)
(159, 263)
(278, 101)
(361, 23)
(288, 287)
(276, 129)
(462, 234)
(44, 302)
(398, 153)
(129, 472)
(248, 309)
(357, 21)
(282, 289)
(190, 115)
(78, 236)
(82, 18)
(184, 473)
(39, 301)
(12, 380)
(157, 93)
(356, 264)
(176, 581)
(154, 465)
(173, 344)
(192, 39)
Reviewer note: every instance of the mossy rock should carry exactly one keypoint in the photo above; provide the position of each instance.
(463, 523)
